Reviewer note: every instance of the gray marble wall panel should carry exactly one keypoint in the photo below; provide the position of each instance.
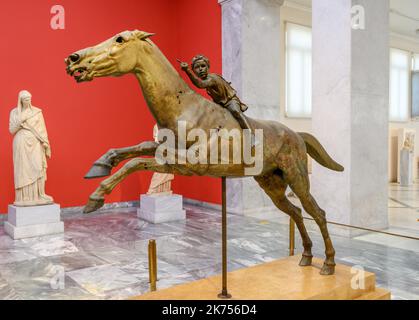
(350, 110)
(251, 61)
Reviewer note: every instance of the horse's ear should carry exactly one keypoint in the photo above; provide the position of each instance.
(142, 35)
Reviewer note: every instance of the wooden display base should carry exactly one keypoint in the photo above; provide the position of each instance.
(278, 280)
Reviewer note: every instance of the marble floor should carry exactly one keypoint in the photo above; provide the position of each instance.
(404, 209)
(104, 256)
(403, 213)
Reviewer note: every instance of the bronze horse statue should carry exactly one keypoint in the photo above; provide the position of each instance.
(171, 100)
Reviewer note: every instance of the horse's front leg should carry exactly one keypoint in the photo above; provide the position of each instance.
(97, 198)
(103, 166)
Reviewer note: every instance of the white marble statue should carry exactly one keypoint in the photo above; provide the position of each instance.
(31, 149)
(161, 183)
(409, 142)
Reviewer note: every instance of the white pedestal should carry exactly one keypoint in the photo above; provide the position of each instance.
(406, 172)
(163, 208)
(35, 221)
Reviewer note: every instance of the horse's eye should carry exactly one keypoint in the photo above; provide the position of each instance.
(120, 39)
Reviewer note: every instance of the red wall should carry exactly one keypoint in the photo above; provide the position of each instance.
(85, 120)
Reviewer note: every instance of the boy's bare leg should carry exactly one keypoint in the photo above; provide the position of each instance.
(234, 107)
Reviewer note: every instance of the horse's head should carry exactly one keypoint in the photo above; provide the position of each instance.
(114, 57)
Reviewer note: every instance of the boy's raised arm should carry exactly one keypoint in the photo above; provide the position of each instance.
(202, 84)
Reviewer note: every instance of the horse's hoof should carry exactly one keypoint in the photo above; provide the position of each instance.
(306, 261)
(327, 270)
(98, 170)
(93, 205)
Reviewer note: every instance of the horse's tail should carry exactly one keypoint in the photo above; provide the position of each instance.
(318, 153)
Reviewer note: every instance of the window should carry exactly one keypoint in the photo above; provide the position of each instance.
(415, 87)
(298, 71)
(416, 62)
(399, 84)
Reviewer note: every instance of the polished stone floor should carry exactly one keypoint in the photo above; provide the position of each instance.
(404, 209)
(104, 256)
(403, 213)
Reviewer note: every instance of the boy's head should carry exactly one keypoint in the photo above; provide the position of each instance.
(200, 66)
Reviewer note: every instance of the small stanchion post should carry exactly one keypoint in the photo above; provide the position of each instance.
(292, 237)
(152, 264)
(224, 293)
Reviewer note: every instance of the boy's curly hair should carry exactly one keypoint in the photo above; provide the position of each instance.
(198, 58)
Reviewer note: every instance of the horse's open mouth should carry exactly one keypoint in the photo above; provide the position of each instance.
(79, 74)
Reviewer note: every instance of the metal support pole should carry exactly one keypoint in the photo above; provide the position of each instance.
(152, 264)
(292, 237)
(224, 293)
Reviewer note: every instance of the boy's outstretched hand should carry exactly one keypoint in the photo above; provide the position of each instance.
(183, 65)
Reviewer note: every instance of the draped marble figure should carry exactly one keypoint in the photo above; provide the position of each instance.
(161, 183)
(31, 148)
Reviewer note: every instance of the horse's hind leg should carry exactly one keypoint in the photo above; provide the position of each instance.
(301, 187)
(275, 187)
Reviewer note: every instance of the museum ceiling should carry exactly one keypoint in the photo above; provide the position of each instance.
(404, 15)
